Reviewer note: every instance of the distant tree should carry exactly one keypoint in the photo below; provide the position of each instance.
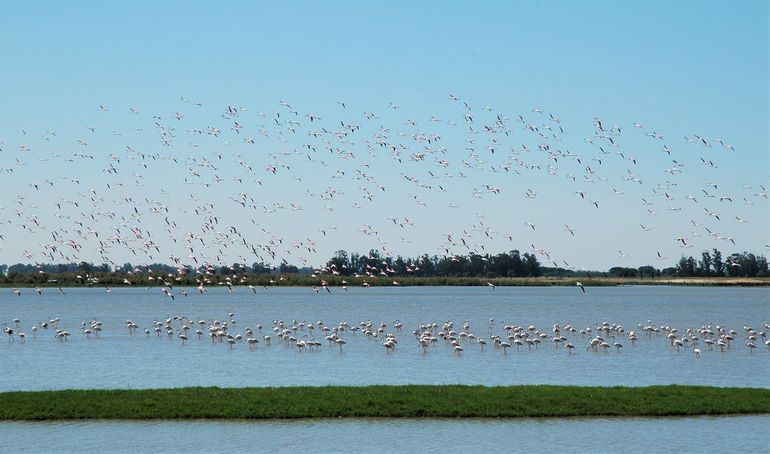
(687, 267)
(238, 269)
(260, 268)
(286, 268)
(762, 266)
(717, 264)
(501, 263)
(426, 265)
(734, 265)
(400, 265)
(746, 264)
(86, 267)
(704, 268)
(646, 270)
(451, 266)
(751, 265)
(126, 268)
(532, 265)
(476, 265)
(354, 263)
(670, 271)
(339, 263)
(518, 268)
(620, 271)
(366, 263)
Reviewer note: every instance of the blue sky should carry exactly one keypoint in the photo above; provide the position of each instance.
(679, 69)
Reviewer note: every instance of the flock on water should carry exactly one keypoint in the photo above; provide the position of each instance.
(201, 187)
(424, 337)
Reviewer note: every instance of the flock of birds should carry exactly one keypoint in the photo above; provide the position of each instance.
(199, 188)
(425, 336)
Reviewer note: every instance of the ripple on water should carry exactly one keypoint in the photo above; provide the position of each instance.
(120, 360)
(690, 434)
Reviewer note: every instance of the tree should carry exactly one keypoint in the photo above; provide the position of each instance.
(126, 268)
(260, 268)
(734, 265)
(646, 270)
(427, 265)
(620, 271)
(761, 266)
(532, 265)
(686, 267)
(501, 263)
(518, 268)
(399, 265)
(717, 263)
(339, 263)
(285, 268)
(86, 267)
(670, 271)
(451, 266)
(751, 267)
(476, 265)
(704, 268)
(746, 265)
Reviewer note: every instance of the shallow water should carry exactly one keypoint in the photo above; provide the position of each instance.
(121, 360)
(584, 435)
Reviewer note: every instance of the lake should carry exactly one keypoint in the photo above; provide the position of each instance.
(633, 435)
(120, 359)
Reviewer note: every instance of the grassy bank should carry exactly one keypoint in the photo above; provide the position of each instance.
(382, 401)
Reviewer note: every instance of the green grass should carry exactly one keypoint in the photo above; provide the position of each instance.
(411, 401)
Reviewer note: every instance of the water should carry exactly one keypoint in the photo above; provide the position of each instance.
(121, 360)
(633, 435)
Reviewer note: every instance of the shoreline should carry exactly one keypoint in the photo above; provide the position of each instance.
(407, 401)
(337, 281)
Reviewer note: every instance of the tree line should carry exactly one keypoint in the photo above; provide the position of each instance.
(511, 264)
(711, 264)
(506, 264)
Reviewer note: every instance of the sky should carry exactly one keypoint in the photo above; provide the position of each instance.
(463, 126)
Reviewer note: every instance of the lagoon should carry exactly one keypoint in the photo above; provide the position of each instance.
(682, 435)
(119, 359)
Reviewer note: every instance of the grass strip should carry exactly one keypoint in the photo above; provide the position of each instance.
(409, 401)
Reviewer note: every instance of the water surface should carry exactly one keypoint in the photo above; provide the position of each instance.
(583, 435)
(121, 360)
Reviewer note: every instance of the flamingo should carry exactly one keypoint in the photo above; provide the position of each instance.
(9, 332)
(252, 342)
